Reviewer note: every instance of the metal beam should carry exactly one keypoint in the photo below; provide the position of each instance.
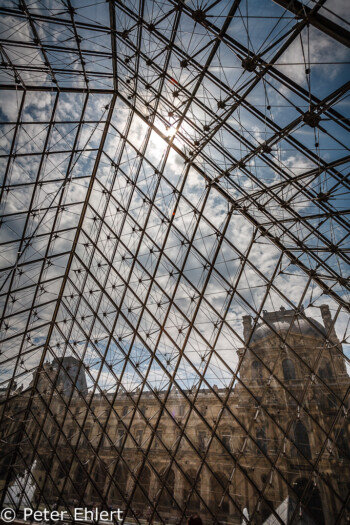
(324, 24)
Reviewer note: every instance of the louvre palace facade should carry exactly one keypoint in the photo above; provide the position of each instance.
(174, 261)
(259, 430)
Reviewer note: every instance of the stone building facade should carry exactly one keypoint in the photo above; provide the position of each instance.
(279, 433)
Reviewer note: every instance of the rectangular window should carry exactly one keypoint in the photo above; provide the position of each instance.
(157, 440)
(120, 439)
(202, 441)
(261, 440)
(226, 439)
(139, 437)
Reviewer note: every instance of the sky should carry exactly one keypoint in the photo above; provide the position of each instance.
(162, 257)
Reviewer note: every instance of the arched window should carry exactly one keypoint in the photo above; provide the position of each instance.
(119, 484)
(80, 480)
(226, 439)
(142, 487)
(342, 443)
(5, 466)
(325, 371)
(311, 503)
(261, 440)
(167, 496)
(191, 491)
(219, 501)
(256, 370)
(288, 369)
(100, 475)
(302, 439)
(63, 469)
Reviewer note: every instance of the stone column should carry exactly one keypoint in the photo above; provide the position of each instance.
(235, 515)
(247, 327)
(153, 486)
(129, 484)
(205, 489)
(179, 487)
(328, 322)
(89, 488)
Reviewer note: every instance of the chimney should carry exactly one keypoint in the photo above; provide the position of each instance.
(247, 327)
(328, 322)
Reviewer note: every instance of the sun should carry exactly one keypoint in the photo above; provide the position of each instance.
(159, 131)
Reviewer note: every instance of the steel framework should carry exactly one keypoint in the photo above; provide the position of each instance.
(168, 167)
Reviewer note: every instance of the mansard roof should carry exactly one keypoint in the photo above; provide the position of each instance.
(287, 321)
